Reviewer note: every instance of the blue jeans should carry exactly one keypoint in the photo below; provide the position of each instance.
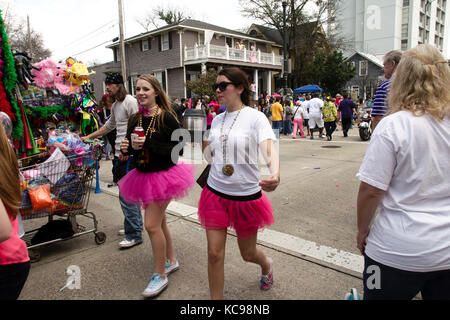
(133, 225)
(287, 127)
(133, 220)
(276, 126)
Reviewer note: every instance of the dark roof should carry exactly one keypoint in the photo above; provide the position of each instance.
(272, 34)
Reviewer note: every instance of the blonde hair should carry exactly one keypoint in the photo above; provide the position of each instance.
(420, 83)
(9, 183)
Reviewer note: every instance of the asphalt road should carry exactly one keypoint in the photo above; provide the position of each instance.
(315, 205)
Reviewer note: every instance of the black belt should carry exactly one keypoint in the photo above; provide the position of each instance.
(250, 197)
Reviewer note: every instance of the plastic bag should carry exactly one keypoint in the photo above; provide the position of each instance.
(40, 197)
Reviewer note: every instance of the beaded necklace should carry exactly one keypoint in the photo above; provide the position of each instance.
(151, 126)
(227, 169)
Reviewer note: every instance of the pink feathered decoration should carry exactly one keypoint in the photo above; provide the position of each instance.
(51, 76)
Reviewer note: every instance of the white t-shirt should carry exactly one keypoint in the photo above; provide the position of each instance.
(409, 158)
(315, 107)
(304, 106)
(297, 110)
(250, 129)
(121, 111)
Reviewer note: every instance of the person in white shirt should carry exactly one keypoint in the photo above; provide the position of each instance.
(306, 114)
(315, 106)
(298, 120)
(121, 111)
(406, 175)
(232, 196)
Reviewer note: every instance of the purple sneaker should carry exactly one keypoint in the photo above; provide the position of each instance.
(266, 281)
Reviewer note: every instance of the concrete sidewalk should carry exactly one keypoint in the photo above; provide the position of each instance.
(108, 273)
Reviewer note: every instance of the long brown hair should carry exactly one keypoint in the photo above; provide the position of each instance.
(162, 100)
(9, 169)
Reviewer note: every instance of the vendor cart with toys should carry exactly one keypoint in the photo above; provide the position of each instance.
(56, 188)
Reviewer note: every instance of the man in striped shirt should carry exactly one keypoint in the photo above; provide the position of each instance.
(390, 63)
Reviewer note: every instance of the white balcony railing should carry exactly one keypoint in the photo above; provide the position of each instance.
(202, 52)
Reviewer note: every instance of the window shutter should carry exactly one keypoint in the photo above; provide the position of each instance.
(159, 42)
(170, 40)
(149, 43)
(163, 75)
(142, 46)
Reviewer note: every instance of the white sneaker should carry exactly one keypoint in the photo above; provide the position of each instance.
(128, 244)
(155, 286)
(121, 232)
(171, 267)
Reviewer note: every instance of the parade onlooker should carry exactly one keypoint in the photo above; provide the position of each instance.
(306, 113)
(315, 106)
(104, 113)
(329, 113)
(232, 196)
(380, 106)
(287, 116)
(277, 116)
(209, 117)
(405, 174)
(158, 178)
(346, 107)
(298, 120)
(121, 111)
(14, 259)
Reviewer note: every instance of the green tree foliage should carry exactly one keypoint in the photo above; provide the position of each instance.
(330, 71)
(305, 29)
(203, 84)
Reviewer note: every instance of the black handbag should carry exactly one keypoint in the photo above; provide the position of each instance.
(203, 178)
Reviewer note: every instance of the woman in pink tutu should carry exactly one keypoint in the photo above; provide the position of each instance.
(232, 196)
(157, 178)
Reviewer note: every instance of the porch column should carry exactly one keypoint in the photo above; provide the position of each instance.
(269, 82)
(256, 81)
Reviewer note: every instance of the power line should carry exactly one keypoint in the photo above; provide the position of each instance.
(74, 55)
(91, 33)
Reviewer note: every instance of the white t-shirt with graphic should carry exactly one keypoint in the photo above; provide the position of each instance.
(409, 158)
(250, 129)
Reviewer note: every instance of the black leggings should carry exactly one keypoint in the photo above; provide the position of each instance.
(12, 280)
(396, 284)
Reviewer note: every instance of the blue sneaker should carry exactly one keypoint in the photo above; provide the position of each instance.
(352, 295)
(155, 286)
(171, 267)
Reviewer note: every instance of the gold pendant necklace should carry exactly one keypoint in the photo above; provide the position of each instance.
(227, 169)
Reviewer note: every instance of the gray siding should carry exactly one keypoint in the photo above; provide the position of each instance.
(370, 81)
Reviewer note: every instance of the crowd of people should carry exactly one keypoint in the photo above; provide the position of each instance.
(404, 174)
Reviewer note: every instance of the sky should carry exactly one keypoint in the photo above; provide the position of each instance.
(74, 28)
(83, 28)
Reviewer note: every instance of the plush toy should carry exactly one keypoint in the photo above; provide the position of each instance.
(76, 73)
(46, 73)
(23, 68)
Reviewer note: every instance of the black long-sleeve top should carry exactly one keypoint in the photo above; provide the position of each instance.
(156, 154)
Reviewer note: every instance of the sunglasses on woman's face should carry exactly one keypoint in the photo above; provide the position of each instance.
(222, 86)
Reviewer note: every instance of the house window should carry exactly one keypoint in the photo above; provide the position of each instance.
(161, 77)
(405, 44)
(363, 68)
(165, 42)
(353, 64)
(116, 54)
(132, 84)
(145, 45)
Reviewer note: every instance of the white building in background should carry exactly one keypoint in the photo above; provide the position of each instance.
(379, 26)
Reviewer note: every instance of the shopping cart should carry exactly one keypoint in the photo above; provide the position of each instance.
(57, 185)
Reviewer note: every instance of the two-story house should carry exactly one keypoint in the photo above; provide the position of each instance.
(368, 75)
(180, 52)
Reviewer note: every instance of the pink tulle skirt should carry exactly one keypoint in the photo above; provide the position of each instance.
(245, 217)
(161, 186)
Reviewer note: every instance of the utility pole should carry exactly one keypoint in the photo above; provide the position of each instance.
(285, 71)
(122, 46)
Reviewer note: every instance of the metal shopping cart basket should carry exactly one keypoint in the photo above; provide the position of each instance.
(57, 185)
